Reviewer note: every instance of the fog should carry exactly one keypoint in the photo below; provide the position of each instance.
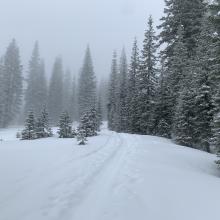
(65, 27)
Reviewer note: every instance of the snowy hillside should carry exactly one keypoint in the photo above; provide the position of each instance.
(114, 177)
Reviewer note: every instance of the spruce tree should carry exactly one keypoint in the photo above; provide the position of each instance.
(215, 47)
(103, 97)
(87, 85)
(186, 13)
(132, 90)
(122, 109)
(163, 103)
(215, 74)
(81, 136)
(29, 132)
(215, 141)
(65, 126)
(177, 69)
(42, 87)
(112, 94)
(43, 128)
(67, 84)
(55, 98)
(203, 99)
(89, 123)
(36, 92)
(183, 128)
(73, 101)
(12, 81)
(147, 81)
(99, 111)
(1, 96)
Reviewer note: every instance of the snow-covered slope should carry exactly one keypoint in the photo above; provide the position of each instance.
(114, 177)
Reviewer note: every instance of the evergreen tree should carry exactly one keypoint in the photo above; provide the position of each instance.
(215, 74)
(112, 114)
(43, 128)
(55, 98)
(183, 128)
(203, 98)
(103, 97)
(216, 126)
(162, 113)
(81, 136)
(122, 109)
(87, 85)
(12, 81)
(186, 13)
(99, 113)
(215, 46)
(89, 123)
(36, 92)
(216, 123)
(42, 86)
(73, 101)
(67, 91)
(29, 132)
(177, 69)
(132, 89)
(147, 81)
(65, 126)
(1, 96)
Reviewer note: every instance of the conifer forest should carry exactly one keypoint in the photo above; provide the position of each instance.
(139, 128)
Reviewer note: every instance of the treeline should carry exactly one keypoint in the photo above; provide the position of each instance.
(171, 88)
(21, 94)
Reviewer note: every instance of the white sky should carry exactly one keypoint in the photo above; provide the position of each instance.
(65, 27)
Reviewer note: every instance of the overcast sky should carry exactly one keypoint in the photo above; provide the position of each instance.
(65, 27)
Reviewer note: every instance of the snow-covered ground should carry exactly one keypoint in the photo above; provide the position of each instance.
(114, 177)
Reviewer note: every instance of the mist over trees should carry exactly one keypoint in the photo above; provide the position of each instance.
(169, 87)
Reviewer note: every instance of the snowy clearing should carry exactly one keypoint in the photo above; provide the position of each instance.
(114, 177)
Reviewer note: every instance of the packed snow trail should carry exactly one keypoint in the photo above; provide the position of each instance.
(114, 177)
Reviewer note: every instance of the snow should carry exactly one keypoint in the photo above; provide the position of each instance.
(114, 177)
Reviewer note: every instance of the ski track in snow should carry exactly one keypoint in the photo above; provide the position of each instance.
(114, 177)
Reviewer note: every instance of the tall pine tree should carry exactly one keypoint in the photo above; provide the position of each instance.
(36, 92)
(87, 85)
(67, 84)
(147, 81)
(12, 82)
(55, 97)
(132, 89)
(186, 13)
(162, 113)
(122, 110)
(112, 99)
(73, 101)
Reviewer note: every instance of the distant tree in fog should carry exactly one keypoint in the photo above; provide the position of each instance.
(55, 96)
(11, 82)
(36, 92)
(87, 85)
(112, 94)
(1, 92)
(73, 101)
(67, 87)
